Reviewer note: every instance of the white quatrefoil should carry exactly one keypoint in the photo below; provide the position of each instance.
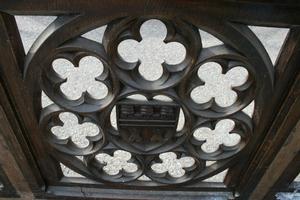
(218, 85)
(152, 51)
(173, 165)
(119, 161)
(220, 135)
(77, 132)
(81, 79)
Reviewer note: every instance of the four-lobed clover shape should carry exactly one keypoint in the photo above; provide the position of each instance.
(116, 163)
(152, 51)
(171, 164)
(81, 79)
(72, 129)
(217, 85)
(219, 136)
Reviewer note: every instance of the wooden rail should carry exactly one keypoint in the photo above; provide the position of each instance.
(258, 166)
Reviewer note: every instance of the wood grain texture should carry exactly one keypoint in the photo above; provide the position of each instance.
(39, 152)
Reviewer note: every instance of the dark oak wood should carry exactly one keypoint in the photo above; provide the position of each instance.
(283, 170)
(289, 150)
(258, 12)
(12, 78)
(11, 175)
(264, 137)
(6, 188)
(284, 119)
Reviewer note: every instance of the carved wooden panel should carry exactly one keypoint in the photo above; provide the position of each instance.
(147, 147)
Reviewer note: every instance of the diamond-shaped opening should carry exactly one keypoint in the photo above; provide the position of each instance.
(137, 97)
(113, 118)
(45, 100)
(95, 34)
(30, 27)
(249, 110)
(67, 172)
(218, 178)
(208, 40)
(297, 179)
(272, 39)
(144, 178)
(162, 98)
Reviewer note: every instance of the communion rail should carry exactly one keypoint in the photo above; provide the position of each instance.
(144, 155)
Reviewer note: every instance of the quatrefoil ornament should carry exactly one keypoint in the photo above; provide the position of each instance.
(173, 167)
(207, 83)
(114, 165)
(119, 161)
(81, 79)
(59, 80)
(178, 32)
(72, 129)
(218, 86)
(220, 135)
(220, 139)
(151, 51)
(83, 136)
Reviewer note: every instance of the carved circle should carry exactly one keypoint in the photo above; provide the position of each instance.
(129, 28)
(242, 127)
(165, 176)
(50, 118)
(123, 173)
(75, 51)
(227, 61)
(239, 49)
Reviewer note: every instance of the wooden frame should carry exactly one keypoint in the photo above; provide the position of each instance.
(274, 126)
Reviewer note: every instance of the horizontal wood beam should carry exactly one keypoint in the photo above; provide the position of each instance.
(277, 13)
(73, 192)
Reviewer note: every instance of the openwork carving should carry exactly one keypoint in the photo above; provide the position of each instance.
(152, 56)
(115, 165)
(77, 132)
(218, 86)
(73, 87)
(174, 167)
(50, 119)
(148, 136)
(206, 135)
(129, 28)
(214, 138)
(243, 91)
(76, 51)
